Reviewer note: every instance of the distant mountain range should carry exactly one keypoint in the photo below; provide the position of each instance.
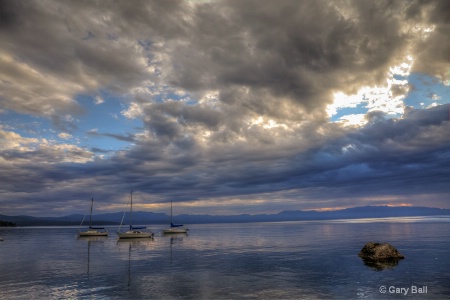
(148, 218)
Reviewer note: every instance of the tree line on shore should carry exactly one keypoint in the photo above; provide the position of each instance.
(7, 224)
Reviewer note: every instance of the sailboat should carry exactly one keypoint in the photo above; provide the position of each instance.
(92, 231)
(174, 228)
(133, 232)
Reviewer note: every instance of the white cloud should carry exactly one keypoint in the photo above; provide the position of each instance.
(93, 130)
(29, 90)
(353, 119)
(12, 141)
(64, 136)
(98, 100)
(133, 111)
(435, 97)
(39, 151)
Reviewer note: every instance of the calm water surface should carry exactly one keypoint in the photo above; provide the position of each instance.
(290, 260)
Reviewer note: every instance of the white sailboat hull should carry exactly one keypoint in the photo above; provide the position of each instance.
(133, 234)
(174, 228)
(93, 233)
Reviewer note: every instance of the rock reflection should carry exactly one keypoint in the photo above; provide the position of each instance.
(380, 265)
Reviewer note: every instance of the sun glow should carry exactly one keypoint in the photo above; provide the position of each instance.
(398, 204)
(387, 98)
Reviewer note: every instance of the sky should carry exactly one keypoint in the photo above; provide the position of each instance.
(223, 107)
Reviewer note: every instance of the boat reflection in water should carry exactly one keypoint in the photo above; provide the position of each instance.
(91, 240)
(174, 239)
(138, 244)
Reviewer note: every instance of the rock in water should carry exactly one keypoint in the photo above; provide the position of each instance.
(378, 252)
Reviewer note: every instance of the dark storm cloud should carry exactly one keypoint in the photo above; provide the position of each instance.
(433, 52)
(412, 158)
(405, 152)
(295, 50)
(393, 154)
(170, 118)
(52, 51)
(256, 78)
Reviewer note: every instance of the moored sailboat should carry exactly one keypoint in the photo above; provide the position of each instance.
(92, 231)
(174, 228)
(133, 232)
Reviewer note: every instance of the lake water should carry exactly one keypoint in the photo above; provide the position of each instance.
(286, 260)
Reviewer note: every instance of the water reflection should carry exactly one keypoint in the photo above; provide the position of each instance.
(381, 264)
(91, 239)
(174, 239)
(134, 245)
(226, 261)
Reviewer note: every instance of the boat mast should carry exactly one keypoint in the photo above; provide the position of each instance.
(90, 217)
(171, 212)
(131, 208)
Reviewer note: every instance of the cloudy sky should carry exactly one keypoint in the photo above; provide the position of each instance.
(224, 107)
